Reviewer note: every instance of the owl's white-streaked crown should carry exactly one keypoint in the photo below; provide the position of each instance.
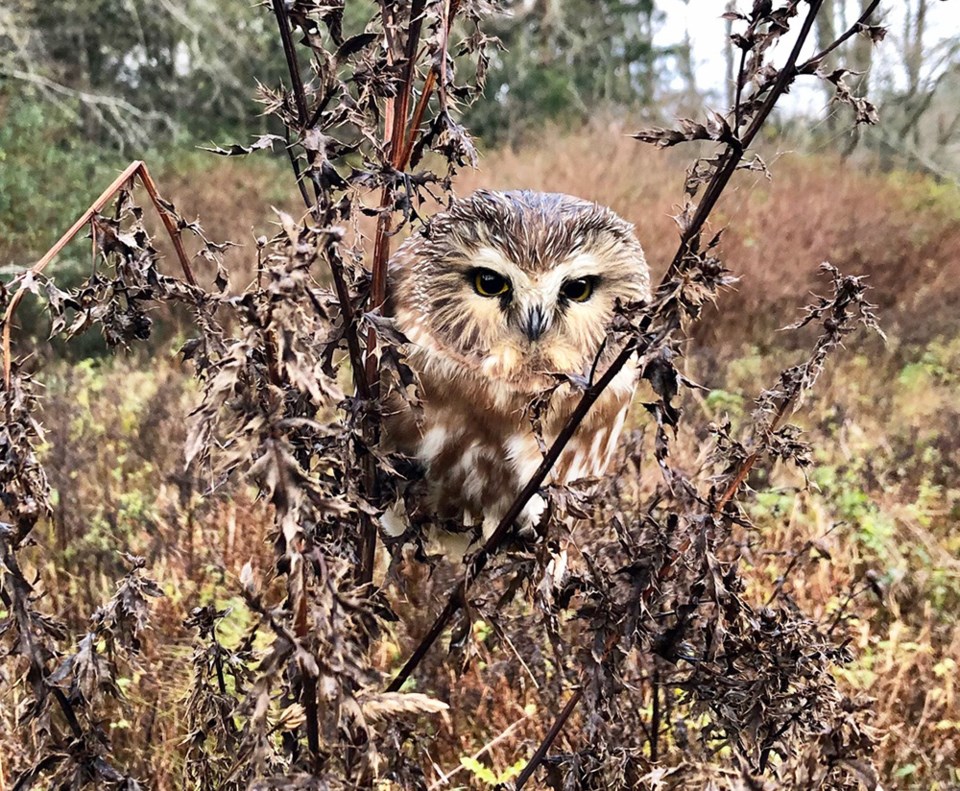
(496, 283)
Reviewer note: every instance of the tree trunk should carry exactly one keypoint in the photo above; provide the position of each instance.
(826, 35)
(729, 58)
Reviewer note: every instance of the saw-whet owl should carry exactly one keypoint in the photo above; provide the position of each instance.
(496, 296)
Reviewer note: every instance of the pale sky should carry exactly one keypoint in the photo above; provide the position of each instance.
(702, 19)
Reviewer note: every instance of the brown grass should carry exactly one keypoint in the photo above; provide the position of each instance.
(884, 499)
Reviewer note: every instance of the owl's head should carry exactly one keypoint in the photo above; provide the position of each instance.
(515, 285)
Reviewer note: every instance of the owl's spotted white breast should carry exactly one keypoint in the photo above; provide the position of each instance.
(497, 295)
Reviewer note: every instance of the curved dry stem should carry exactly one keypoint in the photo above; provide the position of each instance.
(131, 171)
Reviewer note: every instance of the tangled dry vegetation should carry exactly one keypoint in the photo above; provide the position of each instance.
(743, 604)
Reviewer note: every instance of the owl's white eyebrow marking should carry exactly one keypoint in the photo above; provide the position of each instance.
(581, 265)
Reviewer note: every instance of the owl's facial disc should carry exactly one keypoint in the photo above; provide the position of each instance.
(530, 304)
(523, 305)
(517, 286)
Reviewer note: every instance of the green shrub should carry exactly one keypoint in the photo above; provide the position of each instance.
(48, 176)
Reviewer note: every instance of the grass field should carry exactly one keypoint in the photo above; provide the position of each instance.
(879, 517)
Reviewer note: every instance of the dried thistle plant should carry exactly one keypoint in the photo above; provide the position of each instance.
(656, 613)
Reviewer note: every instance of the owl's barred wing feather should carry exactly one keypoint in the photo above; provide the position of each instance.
(497, 296)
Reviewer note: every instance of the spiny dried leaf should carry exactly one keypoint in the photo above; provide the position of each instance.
(388, 705)
(237, 150)
(865, 112)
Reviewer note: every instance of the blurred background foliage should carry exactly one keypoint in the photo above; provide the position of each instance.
(87, 85)
(136, 75)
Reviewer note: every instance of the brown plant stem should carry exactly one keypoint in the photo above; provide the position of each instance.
(400, 134)
(362, 381)
(309, 693)
(12, 579)
(290, 53)
(131, 171)
(299, 176)
(172, 231)
(811, 64)
(402, 103)
(552, 734)
(689, 240)
(428, 85)
(418, 113)
(395, 137)
(655, 715)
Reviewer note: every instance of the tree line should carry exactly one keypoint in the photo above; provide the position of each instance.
(137, 74)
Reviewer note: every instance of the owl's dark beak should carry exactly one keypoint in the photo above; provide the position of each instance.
(535, 322)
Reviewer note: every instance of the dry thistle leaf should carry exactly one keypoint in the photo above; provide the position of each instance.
(290, 718)
(385, 705)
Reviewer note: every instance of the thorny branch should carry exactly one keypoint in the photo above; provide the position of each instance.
(847, 291)
(840, 314)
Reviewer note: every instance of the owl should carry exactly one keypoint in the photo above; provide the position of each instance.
(501, 297)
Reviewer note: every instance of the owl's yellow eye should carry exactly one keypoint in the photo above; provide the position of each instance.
(488, 283)
(578, 290)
